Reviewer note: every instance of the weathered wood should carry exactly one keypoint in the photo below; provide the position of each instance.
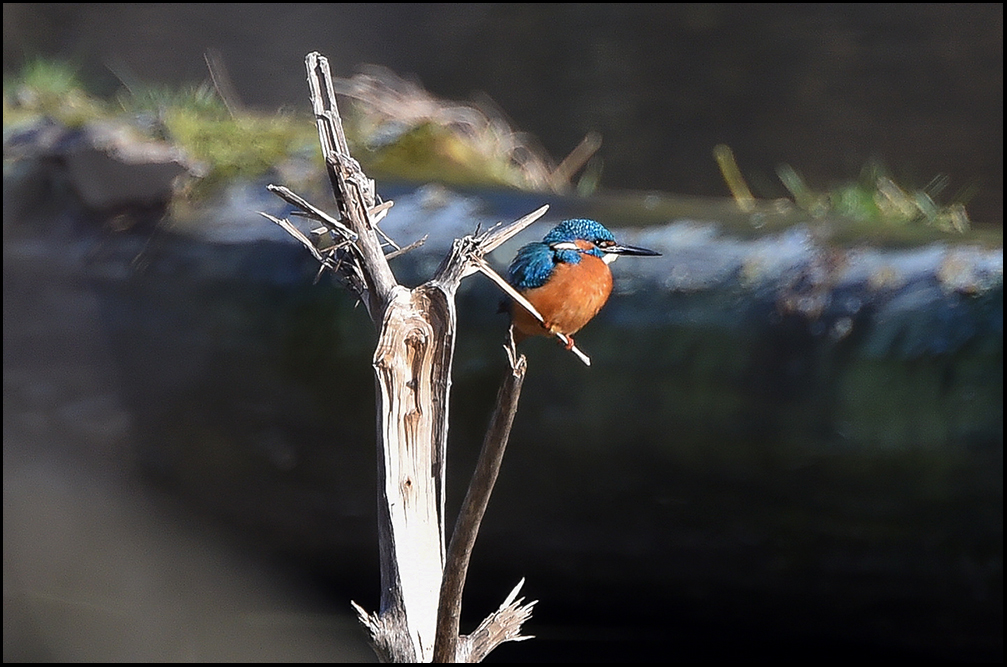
(412, 367)
(354, 192)
(503, 625)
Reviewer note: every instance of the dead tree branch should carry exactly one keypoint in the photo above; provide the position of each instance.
(354, 192)
(412, 366)
(449, 647)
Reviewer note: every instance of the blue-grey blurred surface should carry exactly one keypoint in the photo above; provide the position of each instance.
(785, 446)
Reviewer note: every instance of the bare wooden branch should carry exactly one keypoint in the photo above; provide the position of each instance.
(402, 251)
(354, 192)
(471, 514)
(412, 366)
(313, 212)
(503, 625)
(488, 271)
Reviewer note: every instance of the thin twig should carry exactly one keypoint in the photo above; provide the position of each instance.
(494, 238)
(561, 176)
(312, 211)
(222, 81)
(411, 246)
(378, 213)
(288, 227)
(488, 271)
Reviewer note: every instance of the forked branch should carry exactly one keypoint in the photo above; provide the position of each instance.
(412, 365)
(450, 647)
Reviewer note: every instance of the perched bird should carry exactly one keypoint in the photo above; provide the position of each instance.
(566, 277)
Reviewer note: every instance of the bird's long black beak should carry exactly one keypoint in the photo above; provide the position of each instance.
(620, 249)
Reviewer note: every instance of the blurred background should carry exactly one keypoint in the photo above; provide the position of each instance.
(800, 454)
(824, 88)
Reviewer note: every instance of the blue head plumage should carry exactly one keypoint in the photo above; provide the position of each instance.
(579, 228)
(534, 262)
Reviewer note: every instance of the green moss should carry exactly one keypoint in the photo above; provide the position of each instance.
(228, 144)
(873, 198)
(399, 131)
(876, 197)
(244, 146)
(432, 152)
(225, 145)
(49, 88)
(201, 100)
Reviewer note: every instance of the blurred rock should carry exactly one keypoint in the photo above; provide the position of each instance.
(108, 164)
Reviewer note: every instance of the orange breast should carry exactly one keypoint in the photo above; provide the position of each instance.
(574, 295)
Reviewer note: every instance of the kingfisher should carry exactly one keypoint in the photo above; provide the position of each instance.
(566, 277)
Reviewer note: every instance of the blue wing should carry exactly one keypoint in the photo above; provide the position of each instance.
(531, 267)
